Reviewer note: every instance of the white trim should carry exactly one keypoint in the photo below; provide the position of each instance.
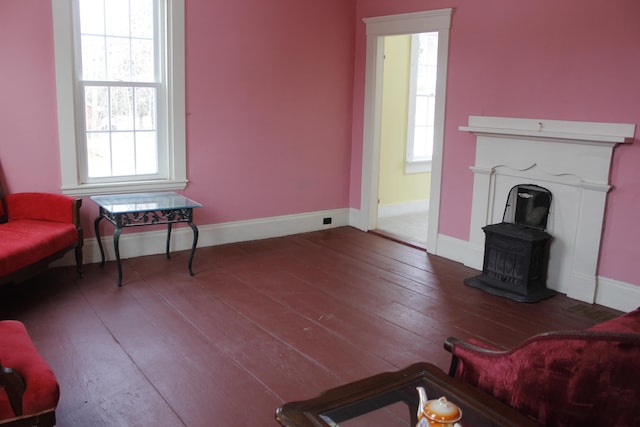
(376, 28)
(418, 166)
(566, 131)
(409, 23)
(134, 187)
(619, 295)
(456, 250)
(153, 242)
(66, 103)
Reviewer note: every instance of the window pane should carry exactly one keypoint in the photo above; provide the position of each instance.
(98, 154)
(117, 17)
(422, 110)
(421, 147)
(423, 143)
(118, 59)
(93, 58)
(142, 58)
(145, 100)
(146, 153)
(92, 17)
(429, 46)
(431, 107)
(121, 108)
(96, 101)
(123, 153)
(142, 18)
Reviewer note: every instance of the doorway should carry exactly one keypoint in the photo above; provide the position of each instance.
(377, 29)
(406, 136)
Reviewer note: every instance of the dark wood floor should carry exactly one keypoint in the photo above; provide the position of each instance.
(261, 323)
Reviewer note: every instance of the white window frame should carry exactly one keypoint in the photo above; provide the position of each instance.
(413, 165)
(68, 129)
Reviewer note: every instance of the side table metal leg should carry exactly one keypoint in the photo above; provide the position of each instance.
(96, 228)
(168, 240)
(193, 247)
(116, 247)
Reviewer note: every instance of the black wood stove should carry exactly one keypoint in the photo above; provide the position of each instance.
(516, 250)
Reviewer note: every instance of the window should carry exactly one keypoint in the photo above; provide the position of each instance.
(120, 86)
(422, 102)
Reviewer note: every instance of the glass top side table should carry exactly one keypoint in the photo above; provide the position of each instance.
(133, 210)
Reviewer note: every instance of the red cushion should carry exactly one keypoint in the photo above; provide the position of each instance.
(18, 353)
(44, 206)
(23, 242)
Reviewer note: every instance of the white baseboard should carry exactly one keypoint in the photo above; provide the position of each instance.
(460, 251)
(618, 295)
(357, 219)
(403, 208)
(154, 242)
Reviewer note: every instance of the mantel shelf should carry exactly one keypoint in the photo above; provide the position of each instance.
(566, 131)
(548, 135)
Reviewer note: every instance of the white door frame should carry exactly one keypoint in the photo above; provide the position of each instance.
(377, 28)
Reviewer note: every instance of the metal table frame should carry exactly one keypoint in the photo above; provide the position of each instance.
(144, 209)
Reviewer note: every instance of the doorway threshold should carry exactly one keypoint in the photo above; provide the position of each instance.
(400, 239)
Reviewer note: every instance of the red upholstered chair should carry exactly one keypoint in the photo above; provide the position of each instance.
(574, 378)
(29, 391)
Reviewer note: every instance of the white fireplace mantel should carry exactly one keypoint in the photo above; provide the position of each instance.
(571, 159)
(560, 130)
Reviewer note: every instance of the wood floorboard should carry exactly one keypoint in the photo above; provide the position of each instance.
(261, 323)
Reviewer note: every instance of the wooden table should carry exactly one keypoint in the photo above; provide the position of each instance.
(132, 210)
(350, 401)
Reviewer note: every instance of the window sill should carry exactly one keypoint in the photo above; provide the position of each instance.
(421, 166)
(129, 187)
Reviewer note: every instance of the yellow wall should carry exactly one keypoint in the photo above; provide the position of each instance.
(396, 187)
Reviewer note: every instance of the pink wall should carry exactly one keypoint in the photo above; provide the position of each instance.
(269, 88)
(565, 60)
(29, 151)
(269, 104)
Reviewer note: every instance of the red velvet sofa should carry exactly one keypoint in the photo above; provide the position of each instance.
(566, 378)
(36, 229)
